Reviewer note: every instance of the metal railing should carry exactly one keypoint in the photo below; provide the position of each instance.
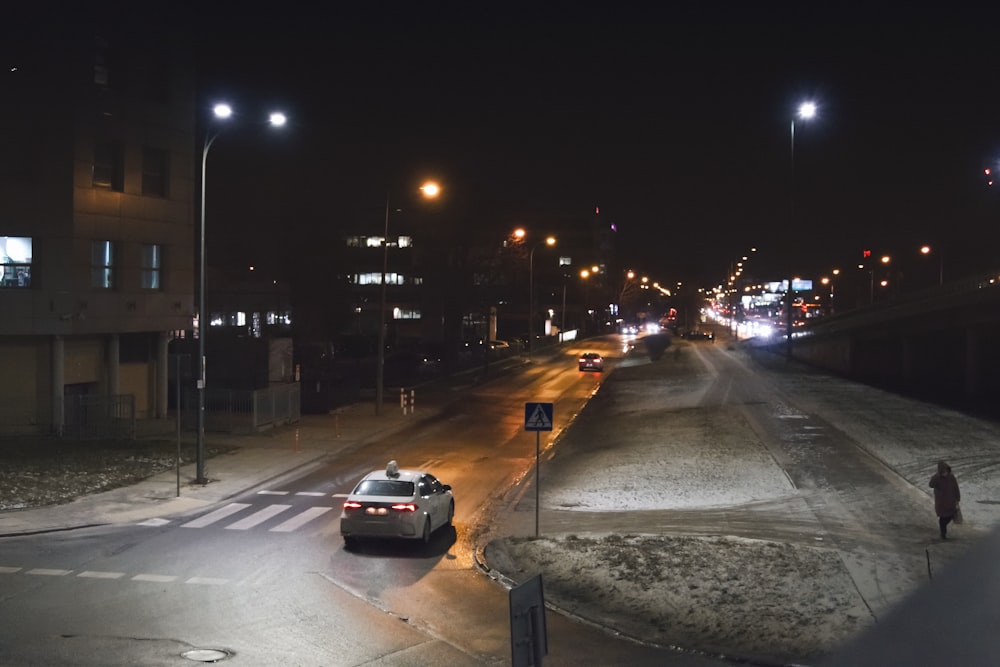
(89, 417)
(245, 411)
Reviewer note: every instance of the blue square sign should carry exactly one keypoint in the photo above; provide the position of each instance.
(537, 416)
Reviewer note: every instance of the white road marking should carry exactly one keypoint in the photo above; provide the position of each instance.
(154, 522)
(9, 570)
(91, 574)
(300, 519)
(315, 494)
(217, 515)
(49, 573)
(258, 517)
(208, 581)
(272, 493)
(156, 578)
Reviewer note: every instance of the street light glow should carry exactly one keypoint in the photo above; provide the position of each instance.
(277, 119)
(222, 110)
(807, 110)
(432, 189)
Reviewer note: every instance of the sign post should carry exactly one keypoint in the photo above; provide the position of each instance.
(537, 418)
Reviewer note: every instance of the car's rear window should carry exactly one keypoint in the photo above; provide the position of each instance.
(384, 487)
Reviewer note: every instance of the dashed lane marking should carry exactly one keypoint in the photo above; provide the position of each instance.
(98, 574)
(91, 574)
(314, 494)
(155, 578)
(272, 493)
(207, 581)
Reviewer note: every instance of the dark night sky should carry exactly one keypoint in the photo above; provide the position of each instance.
(674, 122)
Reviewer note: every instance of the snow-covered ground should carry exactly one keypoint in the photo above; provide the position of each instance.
(764, 600)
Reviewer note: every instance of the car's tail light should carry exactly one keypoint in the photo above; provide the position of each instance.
(352, 505)
(405, 507)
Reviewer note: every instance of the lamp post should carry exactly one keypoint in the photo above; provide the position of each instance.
(430, 190)
(550, 241)
(806, 111)
(222, 112)
(927, 250)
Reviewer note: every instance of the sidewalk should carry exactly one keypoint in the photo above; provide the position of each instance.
(255, 460)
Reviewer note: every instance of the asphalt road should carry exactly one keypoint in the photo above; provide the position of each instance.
(264, 579)
(267, 588)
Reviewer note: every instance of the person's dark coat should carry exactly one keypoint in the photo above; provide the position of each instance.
(946, 493)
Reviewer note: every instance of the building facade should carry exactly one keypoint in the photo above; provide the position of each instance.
(97, 184)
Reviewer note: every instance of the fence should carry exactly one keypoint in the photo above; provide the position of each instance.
(244, 411)
(89, 417)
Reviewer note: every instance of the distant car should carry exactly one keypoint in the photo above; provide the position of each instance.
(499, 344)
(591, 361)
(395, 503)
(699, 335)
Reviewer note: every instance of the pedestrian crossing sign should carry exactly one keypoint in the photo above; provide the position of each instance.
(537, 416)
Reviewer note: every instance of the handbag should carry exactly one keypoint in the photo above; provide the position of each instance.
(958, 515)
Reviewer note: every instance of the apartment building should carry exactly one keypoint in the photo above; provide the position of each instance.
(97, 223)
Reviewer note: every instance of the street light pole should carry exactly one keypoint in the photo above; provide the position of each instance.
(430, 190)
(380, 364)
(531, 292)
(221, 111)
(806, 111)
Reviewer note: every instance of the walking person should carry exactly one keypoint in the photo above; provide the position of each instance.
(946, 496)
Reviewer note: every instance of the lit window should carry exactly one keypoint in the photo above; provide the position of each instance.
(102, 257)
(151, 266)
(15, 261)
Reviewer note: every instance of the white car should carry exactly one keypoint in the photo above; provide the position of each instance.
(394, 503)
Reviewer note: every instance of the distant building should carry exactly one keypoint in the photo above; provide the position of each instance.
(97, 184)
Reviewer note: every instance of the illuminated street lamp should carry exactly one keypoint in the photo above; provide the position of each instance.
(926, 250)
(549, 241)
(806, 111)
(220, 112)
(429, 190)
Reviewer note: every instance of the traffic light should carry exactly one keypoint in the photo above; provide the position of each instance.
(866, 253)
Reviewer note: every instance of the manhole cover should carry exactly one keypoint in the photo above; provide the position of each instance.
(205, 654)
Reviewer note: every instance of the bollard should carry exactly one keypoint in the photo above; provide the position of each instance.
(406, 402)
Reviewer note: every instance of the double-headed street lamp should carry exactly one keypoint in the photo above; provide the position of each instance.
(429, 190)
(549, 241)
(806, 111)
(220, 112)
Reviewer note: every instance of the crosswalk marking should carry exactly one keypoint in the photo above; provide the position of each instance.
(258, 517)
(9, 570)
(91, 574)
(217, 515)
(300, 519)
(48, 572)
(272, 493)
(314, 494)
